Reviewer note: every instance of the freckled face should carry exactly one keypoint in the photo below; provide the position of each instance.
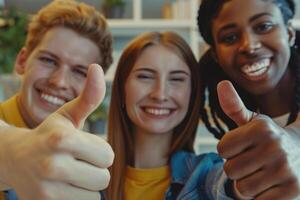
(157, 90)
(252, 44)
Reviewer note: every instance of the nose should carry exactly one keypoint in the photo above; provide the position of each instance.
(160, 91)
(250, 44)
(59, 78)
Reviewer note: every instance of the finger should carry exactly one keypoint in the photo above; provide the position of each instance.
(59, 191)
(288, 191)
(242, 165)
(81, 174)
(88, 147)
(235, 142)
(92, 95)
(262, 180)
(232, 104)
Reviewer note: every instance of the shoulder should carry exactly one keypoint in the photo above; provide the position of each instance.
(3, 107)
(6, 108)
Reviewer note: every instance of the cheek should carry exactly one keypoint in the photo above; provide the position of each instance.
(35, 72)
(132, 97)
(283, 49)
(225, 57)
(183, 97)
(33, 75)
(78, 86)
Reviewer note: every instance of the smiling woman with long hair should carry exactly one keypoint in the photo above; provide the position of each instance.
(153, 118)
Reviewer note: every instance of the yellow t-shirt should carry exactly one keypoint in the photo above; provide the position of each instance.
(146, 184)
(10, 113)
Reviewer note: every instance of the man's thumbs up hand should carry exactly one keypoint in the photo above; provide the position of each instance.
(56, 160)
(256, 152)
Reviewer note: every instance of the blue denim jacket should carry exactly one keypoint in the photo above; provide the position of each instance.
(194, 177)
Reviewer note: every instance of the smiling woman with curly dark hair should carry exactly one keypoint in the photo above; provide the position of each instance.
(252, 44)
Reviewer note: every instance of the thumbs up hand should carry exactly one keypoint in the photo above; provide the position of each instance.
(257, 153)
(56, 160)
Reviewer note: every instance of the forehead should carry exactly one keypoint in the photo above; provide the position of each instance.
(68, 44)
(235, 11)
(159, 57)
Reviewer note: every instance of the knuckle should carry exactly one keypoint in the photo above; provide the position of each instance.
(274, 150)
(228, 169)
(244, 189)
(293, 189)
(220, 149)
(55, 138)
(268, 129)
(45, 168)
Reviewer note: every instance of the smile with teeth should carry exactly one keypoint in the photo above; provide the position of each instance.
(158, 111)
(257, 68)
(53, 100)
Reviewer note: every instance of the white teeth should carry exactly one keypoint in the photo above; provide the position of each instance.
(53, 100)
(257, 68)
(155, 111)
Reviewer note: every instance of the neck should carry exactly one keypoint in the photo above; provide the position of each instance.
(278, 101)
(151, 149)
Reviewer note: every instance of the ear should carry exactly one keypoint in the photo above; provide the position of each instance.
(20, 63)
(291, 34)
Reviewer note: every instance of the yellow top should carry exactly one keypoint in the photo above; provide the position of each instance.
(10, 113)
(146, 184)
(2, 196)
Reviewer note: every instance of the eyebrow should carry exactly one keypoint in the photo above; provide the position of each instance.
(57, 58)
(172, 72)
(48, 53)
(253, 18)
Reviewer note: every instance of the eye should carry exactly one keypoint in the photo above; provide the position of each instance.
(48, 60)
(228, 39)
(80, 72)
(264, 27)
(144, 76)
(178, 79)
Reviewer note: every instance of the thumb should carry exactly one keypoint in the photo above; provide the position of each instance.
(232, 104)
(90, 98)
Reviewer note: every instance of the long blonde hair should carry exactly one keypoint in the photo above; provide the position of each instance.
(80, 17)
(119, 125)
